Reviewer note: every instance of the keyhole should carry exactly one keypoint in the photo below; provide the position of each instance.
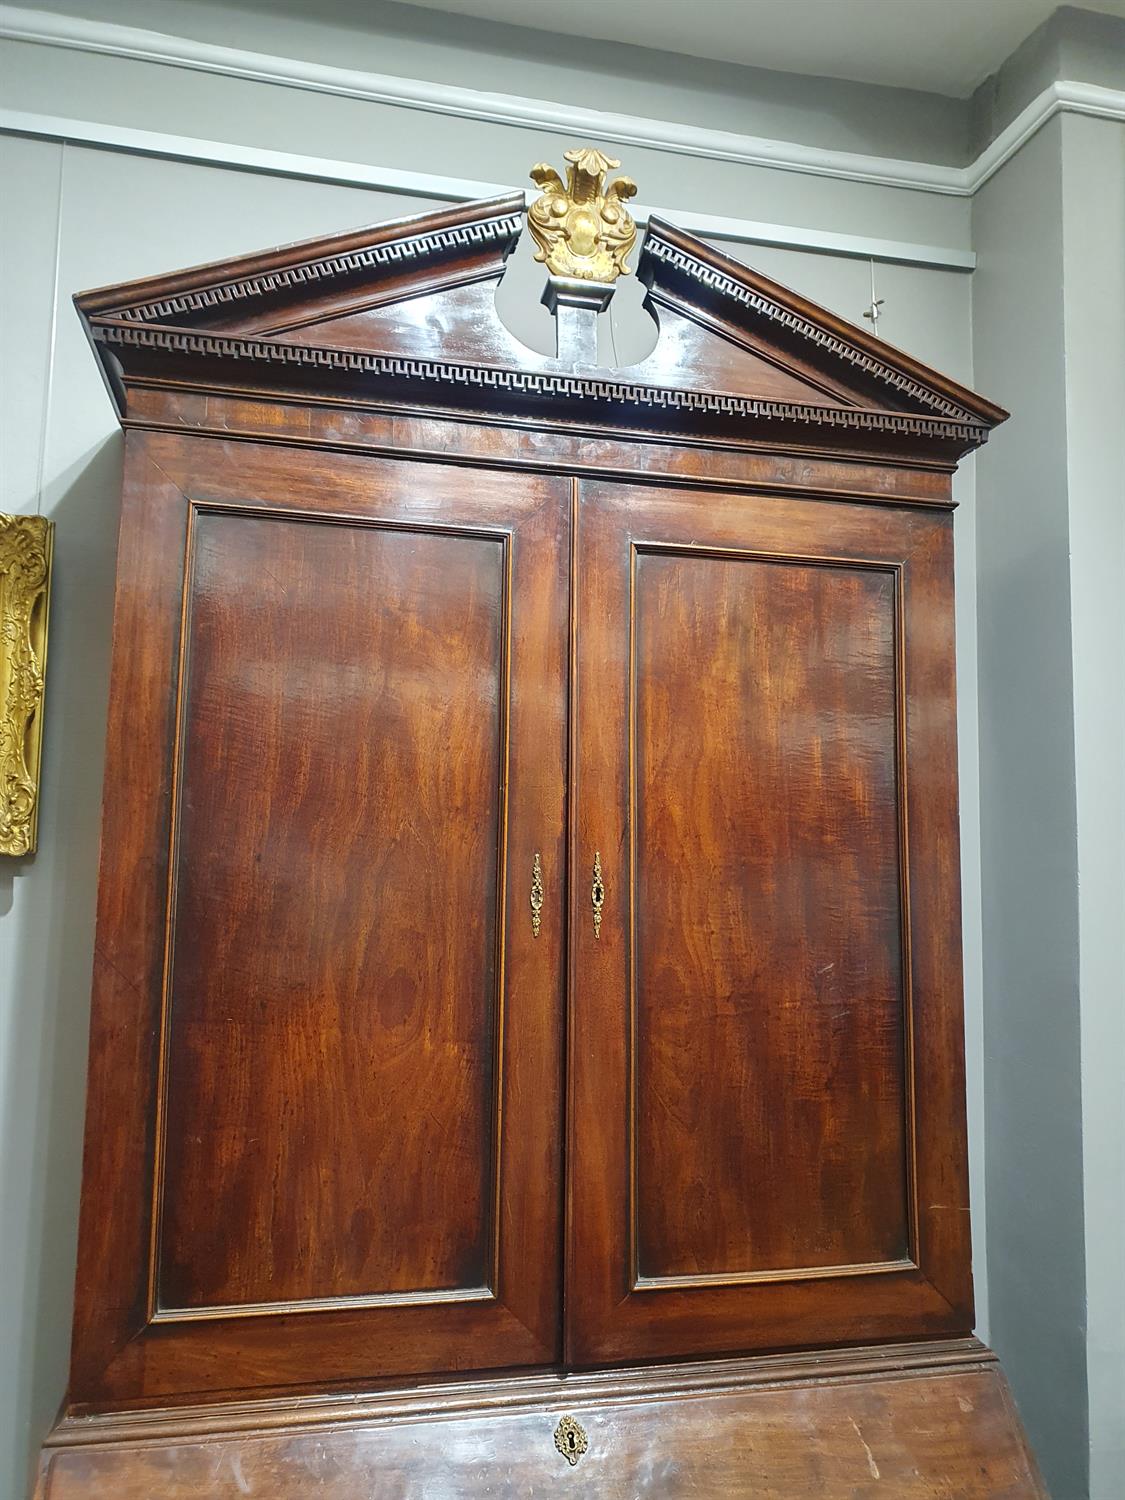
(571, 1440)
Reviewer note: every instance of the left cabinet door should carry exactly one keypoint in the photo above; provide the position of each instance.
(323, 1132)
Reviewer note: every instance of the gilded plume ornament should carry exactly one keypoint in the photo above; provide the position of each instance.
(583, 229)
(25, 574)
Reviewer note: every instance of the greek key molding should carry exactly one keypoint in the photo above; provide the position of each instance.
(726, 286)
(416, 248)
(533, 382)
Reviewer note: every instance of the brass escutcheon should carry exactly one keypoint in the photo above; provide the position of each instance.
(571, 1439)
(536, 895)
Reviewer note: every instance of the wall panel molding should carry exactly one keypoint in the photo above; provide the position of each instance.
(139, 45)
(109, 39)
(445, 189)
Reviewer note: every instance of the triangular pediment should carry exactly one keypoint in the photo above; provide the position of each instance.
(313, 280)
(408, 310)
(684, 274)
(462, 322)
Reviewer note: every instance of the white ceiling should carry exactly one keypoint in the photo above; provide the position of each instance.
(946, 46)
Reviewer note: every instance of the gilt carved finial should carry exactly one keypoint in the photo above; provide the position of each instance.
(583, 229)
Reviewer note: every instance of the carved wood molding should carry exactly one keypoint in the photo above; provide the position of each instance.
(531, 383)
(513, 1393)
(417, 247)
(25, 572)
(659, 249)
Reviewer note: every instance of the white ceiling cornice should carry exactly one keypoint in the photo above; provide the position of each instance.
(947, 49)
(446, 189)
(109, 39)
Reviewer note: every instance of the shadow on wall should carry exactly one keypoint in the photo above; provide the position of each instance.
(52, 896)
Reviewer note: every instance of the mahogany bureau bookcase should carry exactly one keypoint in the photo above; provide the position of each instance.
(527, 1030)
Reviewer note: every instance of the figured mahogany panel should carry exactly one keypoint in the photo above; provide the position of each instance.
(459, 322)
(763, 770)
(767, 1009)
(326, 1052)
(913, 1423)
(333, 1008)
(694, 353)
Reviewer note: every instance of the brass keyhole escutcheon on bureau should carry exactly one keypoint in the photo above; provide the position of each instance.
(571, 1439)
(597, 894)
(536, 896)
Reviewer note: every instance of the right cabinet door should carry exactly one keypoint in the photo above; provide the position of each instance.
(766, 1079)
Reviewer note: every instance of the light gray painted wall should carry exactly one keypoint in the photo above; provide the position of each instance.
(179, 101)
(1028, 851)
(1028, 800)
(385, 37)
(1049, 319)
(399, 39)
(1094, 301)
(1072, 43)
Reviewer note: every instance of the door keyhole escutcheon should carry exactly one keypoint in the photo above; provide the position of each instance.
(597, 894)
(536, 896)
(571, 1439)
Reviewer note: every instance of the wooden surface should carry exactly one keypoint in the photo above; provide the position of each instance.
(770, 779)
(377, 1178)
(770, 1099)
(913, 1424)
(325, 1073)
(403, 315)
(338, 853)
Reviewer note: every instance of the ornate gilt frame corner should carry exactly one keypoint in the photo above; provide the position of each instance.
(26, 549)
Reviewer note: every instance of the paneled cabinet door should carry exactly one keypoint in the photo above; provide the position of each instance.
(324, 1139)
(765, 1139)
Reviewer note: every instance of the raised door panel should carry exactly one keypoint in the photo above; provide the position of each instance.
(332, 1003)
(766, 779)
(352, 695)
(769, 1113)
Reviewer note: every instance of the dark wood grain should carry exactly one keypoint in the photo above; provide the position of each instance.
(919, 1424)
(321, 277)
(333, 1005)
(773, 982)
(457, 323)
(372, 727)
(740, 462)
(689, 357)
(404, 315)
(769, 1123)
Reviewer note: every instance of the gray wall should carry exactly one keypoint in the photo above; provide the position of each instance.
(1032, 1060)
(1049, 340)
(1094, 303)
(388, 38)
(1073, 44)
